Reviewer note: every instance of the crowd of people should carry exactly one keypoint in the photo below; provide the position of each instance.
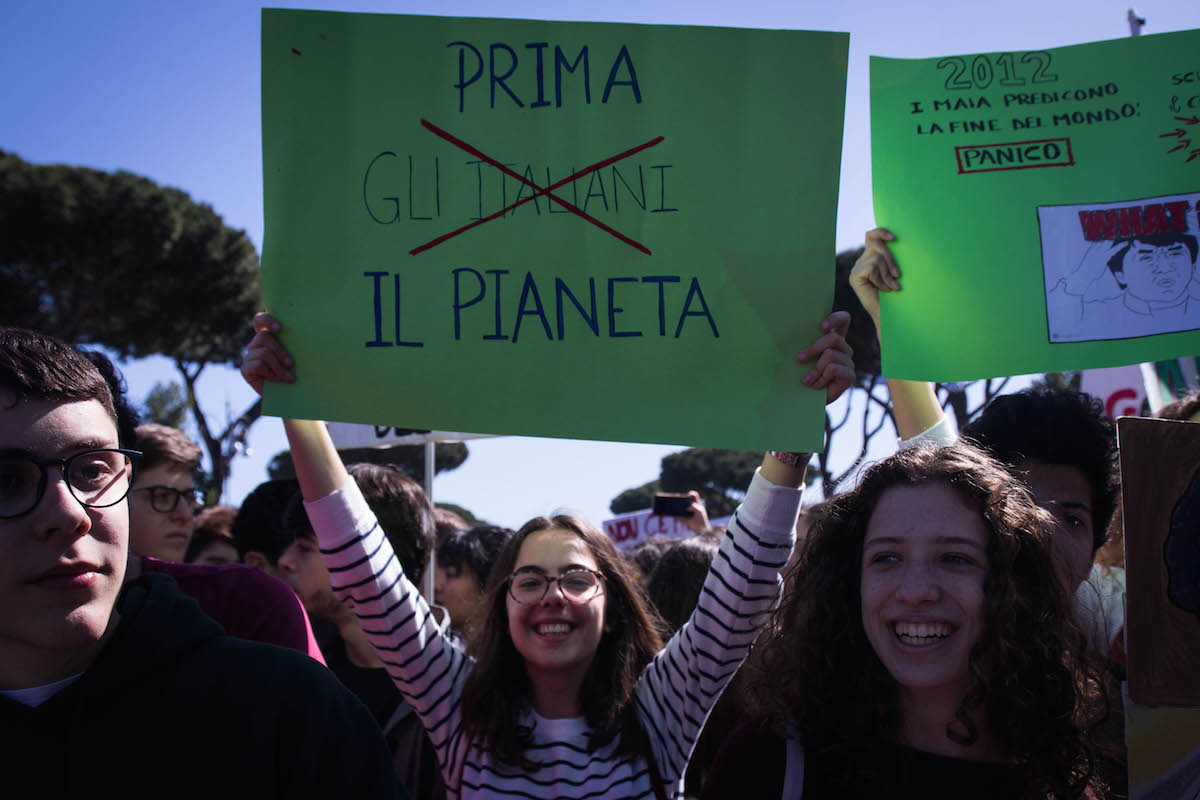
(950, 626)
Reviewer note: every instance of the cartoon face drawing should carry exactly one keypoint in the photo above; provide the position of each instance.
(1156, 272)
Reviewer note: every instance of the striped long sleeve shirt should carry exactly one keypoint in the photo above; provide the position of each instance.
(674, 694)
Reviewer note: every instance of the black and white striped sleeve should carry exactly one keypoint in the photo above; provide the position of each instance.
(681, 685)
(366, 575)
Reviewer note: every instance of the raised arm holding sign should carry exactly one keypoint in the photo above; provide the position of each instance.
(564, 647)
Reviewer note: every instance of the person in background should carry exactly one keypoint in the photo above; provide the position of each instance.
(644, 556)
(258, 530)
(676, 580)
(447, 522)
(1063, 447)
(464, 562)
(162, 502)
(212, 543)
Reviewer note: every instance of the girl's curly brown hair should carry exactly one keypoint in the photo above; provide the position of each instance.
(498, 691)
(816, 676)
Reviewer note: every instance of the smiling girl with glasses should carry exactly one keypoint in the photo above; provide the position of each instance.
(567, 690)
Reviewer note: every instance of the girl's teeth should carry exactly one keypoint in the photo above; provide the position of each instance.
(553, 629)
(922, 633)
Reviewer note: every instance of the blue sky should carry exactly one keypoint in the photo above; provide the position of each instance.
(171, 91)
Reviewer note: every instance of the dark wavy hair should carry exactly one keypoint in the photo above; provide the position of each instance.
(498, 690)
(1057, 426)
(474, 549)
(403, 511)
(816, 675)
(1181, 408)
(258, 525)
(678, 578)
(36, 366)
(164, 446)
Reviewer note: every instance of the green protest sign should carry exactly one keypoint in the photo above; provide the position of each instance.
(585, 230)
(1044, 204)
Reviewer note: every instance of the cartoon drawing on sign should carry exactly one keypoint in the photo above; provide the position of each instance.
(1120, 270)
(1181, 551)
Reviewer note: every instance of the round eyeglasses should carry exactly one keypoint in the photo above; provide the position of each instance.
(96, 478)
(164, 499)
(578, 585)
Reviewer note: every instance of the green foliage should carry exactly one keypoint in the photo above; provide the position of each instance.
(115, 259)
(410, 458)
(166, 404)
(720, 476)
(635, 499)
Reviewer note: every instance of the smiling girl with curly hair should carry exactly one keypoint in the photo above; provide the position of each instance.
(924, 647)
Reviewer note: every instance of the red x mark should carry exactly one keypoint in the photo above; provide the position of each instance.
(538, 191)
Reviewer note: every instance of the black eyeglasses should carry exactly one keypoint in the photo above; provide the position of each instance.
(577, 584)
(96, 478)
(163, 499)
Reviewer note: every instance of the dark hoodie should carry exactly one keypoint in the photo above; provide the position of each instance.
(172, 707)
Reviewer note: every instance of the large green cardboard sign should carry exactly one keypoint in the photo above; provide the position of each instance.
(585, 230)
(1045, 207)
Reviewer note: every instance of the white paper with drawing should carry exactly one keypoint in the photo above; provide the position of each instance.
(1121, 270)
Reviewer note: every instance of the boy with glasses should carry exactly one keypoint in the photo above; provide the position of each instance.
(162, 502)
(96, 681)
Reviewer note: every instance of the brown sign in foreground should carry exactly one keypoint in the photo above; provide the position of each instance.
(1160, 487)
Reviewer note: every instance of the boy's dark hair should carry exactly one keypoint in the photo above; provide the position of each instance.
(643, 557)
(474, 550)
(447, 522)
(1056, 426)
(403, 511)
(164, 446)
(1184, 408)
(35, 366)
(677, 579)
(212, 524)
(127, 416)
(258, 525)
